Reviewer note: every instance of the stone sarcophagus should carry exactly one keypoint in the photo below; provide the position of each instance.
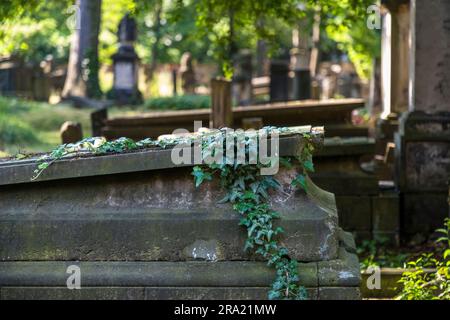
(134, 226)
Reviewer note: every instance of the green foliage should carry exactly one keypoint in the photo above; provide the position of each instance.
(35, 29)
(226, 23)
(94, 145)
(422, 284)
(377, 253)
(15, 131)
(210, 30)
(42, 116)
(361, 44)
(239, 23)
(183, 102)
(248, 191)
(174, 35)
(34, 126)
(112, 12)
(346, 24)
(90, 74)
(14, 8)
(200, 176)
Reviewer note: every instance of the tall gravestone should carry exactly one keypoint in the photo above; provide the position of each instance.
(125, 87)
(423, 139)
(187, 74)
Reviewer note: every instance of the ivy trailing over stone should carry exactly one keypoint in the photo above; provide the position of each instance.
(246, 189)
(90, 146)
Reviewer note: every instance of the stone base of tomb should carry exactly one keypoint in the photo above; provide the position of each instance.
(336, 279)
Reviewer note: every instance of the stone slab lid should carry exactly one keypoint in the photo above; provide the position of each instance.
(85, 165)
(288, 108)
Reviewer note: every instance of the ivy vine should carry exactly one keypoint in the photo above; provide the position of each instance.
(246, 189)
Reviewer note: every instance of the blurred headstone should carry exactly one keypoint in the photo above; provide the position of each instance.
(98, 118)
(71, 132)
(125, 88)
(187, 74)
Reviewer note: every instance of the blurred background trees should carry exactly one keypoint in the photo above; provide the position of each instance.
(212, 31)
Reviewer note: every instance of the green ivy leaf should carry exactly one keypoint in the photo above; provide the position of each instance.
(308, 165)
(299, 181)
(43, 165)
(200, 175)
(286, 162)
(274, 295)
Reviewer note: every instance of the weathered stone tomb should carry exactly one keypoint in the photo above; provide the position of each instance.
(137, 228)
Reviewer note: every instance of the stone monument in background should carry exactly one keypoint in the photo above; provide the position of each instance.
(423, 138)
(125, 88)
(187, 73)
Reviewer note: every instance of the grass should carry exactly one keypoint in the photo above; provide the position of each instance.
(378, 252)
(183, 102)
(28, 126)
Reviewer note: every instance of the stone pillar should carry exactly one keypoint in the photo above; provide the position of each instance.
(423, 139)
(395, 77)
(395, 50)
(221, 107)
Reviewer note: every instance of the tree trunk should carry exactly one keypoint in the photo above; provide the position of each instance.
(82, 69)
(315, 53)
(261, 59)
(157, 23)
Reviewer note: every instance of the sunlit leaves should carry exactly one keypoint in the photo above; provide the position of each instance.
(200, 175)
(428, 277)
